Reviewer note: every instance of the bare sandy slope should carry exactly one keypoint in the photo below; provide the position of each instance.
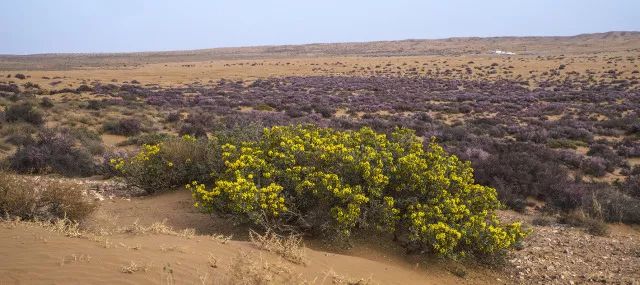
(606, 56)
(121, 245)
(579, 44)
(32, 254)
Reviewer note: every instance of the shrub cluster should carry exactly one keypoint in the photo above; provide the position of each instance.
(25, 112)
(522, 140)
(43, 200)
(52, 151)
(125, 127)
(171, 163)
(320, 180)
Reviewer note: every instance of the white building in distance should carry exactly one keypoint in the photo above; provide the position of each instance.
(501, 52)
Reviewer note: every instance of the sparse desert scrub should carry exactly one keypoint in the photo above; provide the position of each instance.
(88, 139)
(42, 200)
(553, 127)
(328, 182)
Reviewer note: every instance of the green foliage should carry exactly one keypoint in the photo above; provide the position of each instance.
(566, 143)
(152, 138)
(169, 164)
(334, 182)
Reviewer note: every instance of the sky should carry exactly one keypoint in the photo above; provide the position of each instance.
(89, 26)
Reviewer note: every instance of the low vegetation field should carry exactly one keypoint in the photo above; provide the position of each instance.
(278, 165)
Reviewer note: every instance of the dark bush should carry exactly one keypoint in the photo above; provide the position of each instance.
(24, 112)
(46, 103)
(53, 151)
(31, 85)
(95, 105)
(124, 127)
(20, 76)
(631, 186)
(10, 88)
(294, 112)
(605, 152)
(84, 88)
(628, 148)
(325, 111)
(19, 138)
(607, 203)
(521, 170)
(197, 124)
(173, 117)
(195, 130)
(595, 166)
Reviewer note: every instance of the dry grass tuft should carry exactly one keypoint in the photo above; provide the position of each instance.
(133, 267)
(29, 198)
(73, 258)
(249, 269)
(339, 279)
(64, 226)
(213, 261)
(222, 239)
(593, 226)
(156, 228)
(289, 247)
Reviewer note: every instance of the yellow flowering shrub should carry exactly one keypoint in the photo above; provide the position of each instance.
(334, 182)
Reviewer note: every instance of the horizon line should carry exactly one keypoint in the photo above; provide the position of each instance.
(106, 53)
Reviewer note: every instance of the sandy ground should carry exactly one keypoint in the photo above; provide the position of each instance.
(33, 254)
(520, 67)
(114, 248)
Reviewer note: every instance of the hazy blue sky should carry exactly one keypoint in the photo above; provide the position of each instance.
(41, 26)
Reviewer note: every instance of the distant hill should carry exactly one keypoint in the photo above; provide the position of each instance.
(584, 43)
